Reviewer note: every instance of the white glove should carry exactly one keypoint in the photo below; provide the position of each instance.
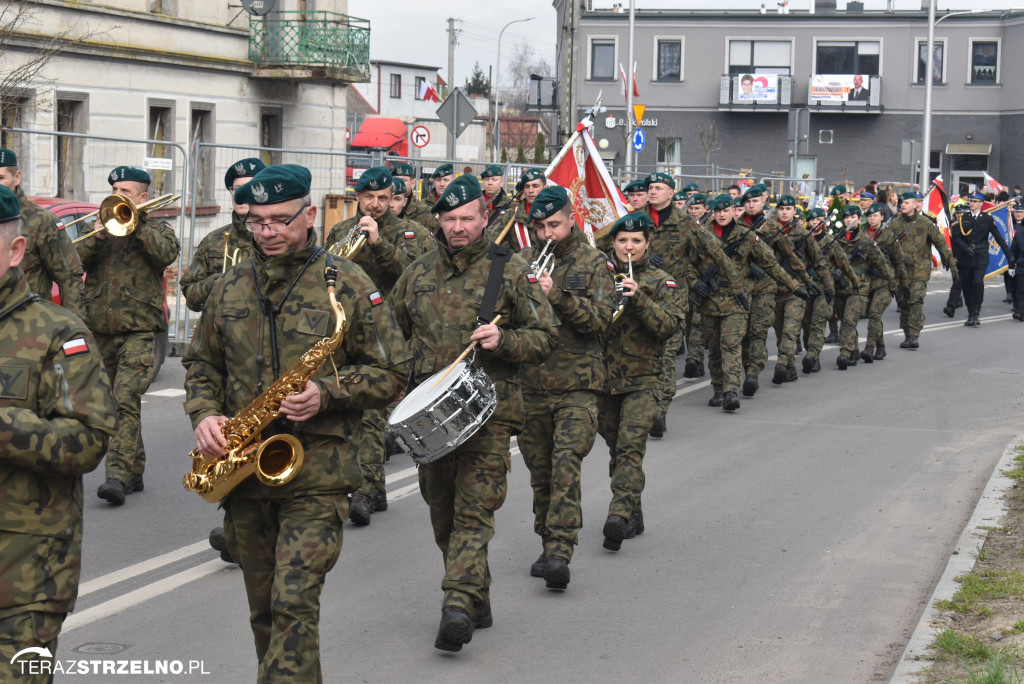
(1012, 272)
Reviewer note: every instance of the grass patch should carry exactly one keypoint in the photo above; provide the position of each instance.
(983, 586)
(953, 644)
(995, 671)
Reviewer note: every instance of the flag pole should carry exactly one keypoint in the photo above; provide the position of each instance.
(587, 122)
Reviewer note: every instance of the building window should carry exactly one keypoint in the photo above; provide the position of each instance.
(271, 135)
(12, 115)
(670, 59)
(420, 83)
(161, 128)
(202, 132)
(848, 57)
(602, 59)
(984, 61)
(759, 57)
(71, 118)
(938, 62)
(396, 85)
(670, 155)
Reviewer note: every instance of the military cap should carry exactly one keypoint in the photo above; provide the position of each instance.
(403, 169)
(817, 212)
(7, 157)
(548, 201)
(492, 171)
(699, 198)
(875, 208)
(530, 175)
(659, 177)
(864, 194)
(639, 185)
(852, 211)
(10, 209)
(919, 195)
(129, 173)
(975, 197)
(462, 190)
(374, 178)
(721, 202)
(679, 196)
(243, 168)
(276, 184)
(753, 192)
(690, 187)
(631, 223)
(443, 170)
(737, 201)
(398, 186)
(908, 195)
(838, 190)
(786, 201)
(1019, 206)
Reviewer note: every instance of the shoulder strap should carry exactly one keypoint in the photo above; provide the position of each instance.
(500, 255)
(31, 297)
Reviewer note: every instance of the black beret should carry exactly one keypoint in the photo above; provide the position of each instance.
(403, 169)
(10, 209)
(492, 171)
(631, 223)
(548, 201)
(7, 157)
(443, 170)
(374, 178)
(460, 191)
(128, 173)
(276, 184)
(659, 177)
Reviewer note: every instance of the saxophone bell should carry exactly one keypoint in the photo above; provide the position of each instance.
(278, 460)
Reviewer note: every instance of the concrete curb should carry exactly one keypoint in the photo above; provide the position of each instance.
(988, 513)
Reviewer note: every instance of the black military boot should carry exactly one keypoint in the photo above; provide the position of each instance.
(817, 366)
(750, 386)
(842, 362)
(635, 526)
(537, 569)
(949, 311)
(455, 630)
(134, 484)
(730, 402)
(852, 359)
(112, 490)
(832, 338)
(791, 375)
(879, 352)
(380, 501)
(556, 574)
(219, 543)
(361, 509)
(808, 364)
(693, 369)
(912, 343)
(659, 426)
(481, 615)
(614, 532)
(779, 376)
(715, 400)
(867, 355)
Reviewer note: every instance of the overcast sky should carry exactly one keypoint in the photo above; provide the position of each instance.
(416, 31)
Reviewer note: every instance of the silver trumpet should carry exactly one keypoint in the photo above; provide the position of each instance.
(545, 260)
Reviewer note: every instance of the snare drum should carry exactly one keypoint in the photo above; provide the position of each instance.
(432, 421)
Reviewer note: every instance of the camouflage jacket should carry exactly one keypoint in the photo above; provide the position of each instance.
(223, 375)
(437, 301)
(864, 257)
(835, 257)
(399, 244)
(497, 210)
(809, 252)
(917, 245)
(57, 414)
(634, 345)
(892, 250)
(419, 211)
(49, 255)
(773, 235)
(124, 290)
(582, 296)
(208, 260)
(670, 239)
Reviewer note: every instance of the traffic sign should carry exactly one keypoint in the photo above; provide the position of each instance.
(638, 139)
(420, 136)
(456, 112)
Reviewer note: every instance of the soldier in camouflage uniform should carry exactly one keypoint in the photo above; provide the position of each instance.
(233, 241)
(879, 296)
(124, 305)
(401, 199)
(492, 179)
(437, 303)
(636, 194)
(694, 368)
(864, 256)
(49, 255)
(391, 245)
(442, 176)
(521, 234)
(921, 236)
(560, 393)
(57, 414)
(817, 315)
(287, 538)
(723, 299)
(634, 347)
(416, 210)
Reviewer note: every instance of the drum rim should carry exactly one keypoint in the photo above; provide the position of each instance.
(436, 393)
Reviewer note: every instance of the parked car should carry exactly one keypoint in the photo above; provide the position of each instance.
(70, 210)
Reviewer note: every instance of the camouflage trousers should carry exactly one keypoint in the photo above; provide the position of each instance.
(462, 491)
(755, 345)
(371, 451)
(724, 337)
(128, 359)
(694, 335)
(24, 630)
(285, 548)
(789, 318)
(816, 317)
(912, 308)
(668, 368)
(848, 308)
(560, 430)
(878, 301)
(624, 420)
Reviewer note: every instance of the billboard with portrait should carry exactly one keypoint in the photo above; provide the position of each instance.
(750, 88)
(836, 88)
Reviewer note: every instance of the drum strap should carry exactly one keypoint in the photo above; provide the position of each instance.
(500, 255)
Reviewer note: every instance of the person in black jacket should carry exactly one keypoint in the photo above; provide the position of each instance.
(969, 236)
(1016, 257)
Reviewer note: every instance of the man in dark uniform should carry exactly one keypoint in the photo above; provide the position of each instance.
(417, 210)
(1017, 257)
(969, 236)
(493, 181)
(259, 321)
(124, 303)
(437, 304)
(49, 255)
(223, 248)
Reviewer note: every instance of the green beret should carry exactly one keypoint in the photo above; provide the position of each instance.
(852, 211)
(462, 190)
(721, 202)
(129, 173)
(636, 186)
(549, 200)
(530, 175)
(276, 184)
(7, 157)
(817, 212)
(679, 196)
(690, 187)
(659, 177)
(699, 198)
(403, 169)
(374, 178)
(874, 209)
(838, 190)
(10, 208)
(443, 170)
(243, 168)
(398, 186)
(631, 223)
(753, 192)
(492, 171)
(737, 201)
(908, 195)
(786, 201)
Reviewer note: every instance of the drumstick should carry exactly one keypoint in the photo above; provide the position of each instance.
(504, 231)
(461, 357)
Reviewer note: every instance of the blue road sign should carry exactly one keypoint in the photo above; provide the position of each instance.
(638, 139)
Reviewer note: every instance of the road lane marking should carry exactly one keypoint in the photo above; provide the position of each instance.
(142, 568)
(170, 392)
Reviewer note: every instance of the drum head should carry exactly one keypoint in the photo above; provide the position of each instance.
(426, 393)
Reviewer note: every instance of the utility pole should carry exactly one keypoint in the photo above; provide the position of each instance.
(630, 77)
(451, 80)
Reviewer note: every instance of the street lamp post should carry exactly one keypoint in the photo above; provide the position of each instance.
(495, 135)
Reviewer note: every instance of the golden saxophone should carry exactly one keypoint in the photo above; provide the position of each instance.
(274, 461)
(350, 245)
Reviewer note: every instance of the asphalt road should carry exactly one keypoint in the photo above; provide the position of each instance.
(795, 541)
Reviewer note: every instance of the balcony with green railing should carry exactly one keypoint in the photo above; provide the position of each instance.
(310, 45)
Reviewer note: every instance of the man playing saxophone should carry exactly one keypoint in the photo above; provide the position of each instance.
(259, 320)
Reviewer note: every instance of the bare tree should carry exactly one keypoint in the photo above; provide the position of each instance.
(708, 136)
(516, 89)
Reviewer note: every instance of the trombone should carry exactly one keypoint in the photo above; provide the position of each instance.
(119, 216)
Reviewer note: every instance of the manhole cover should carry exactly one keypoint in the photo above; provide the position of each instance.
(100, 649)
